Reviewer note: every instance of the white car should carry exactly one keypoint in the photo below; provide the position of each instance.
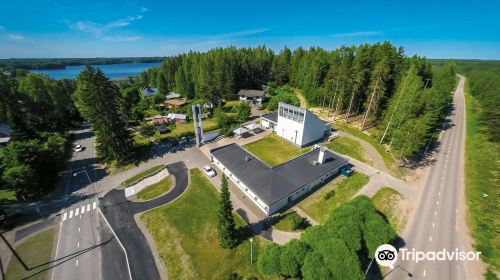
(78, 148)
(209, 171)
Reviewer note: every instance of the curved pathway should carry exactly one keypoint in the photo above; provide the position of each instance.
(377, 160)
(119, 212)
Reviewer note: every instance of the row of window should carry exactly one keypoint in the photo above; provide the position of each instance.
(294, 114)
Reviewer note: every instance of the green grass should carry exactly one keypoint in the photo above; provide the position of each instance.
(186, 129)
(319, 208)
(36, 251)
(386, 201)
(389, 159)
(143, 174)
(481, 177)
(185, 233)
(285, 224)
(348, 147)
(7, 196)
(231, 104)
(274, 150)
(155, 190)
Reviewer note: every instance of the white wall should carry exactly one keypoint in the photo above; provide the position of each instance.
(314, 129)
(290, 130)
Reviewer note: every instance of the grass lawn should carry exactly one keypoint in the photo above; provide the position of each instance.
(155, 190)
(481, 177)
(389, 159)
(185, 233)
(185, 129)
(7, 196)
(34, 251)
(231, 104)
(274, 150)
(386, 200)
(348, 147)
(319, 204)
(142, 174)
(285, 222)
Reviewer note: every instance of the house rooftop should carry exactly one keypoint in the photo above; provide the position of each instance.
(272, 184)
(273, 117)
(176, 102)
(172, 95)
(251, 93)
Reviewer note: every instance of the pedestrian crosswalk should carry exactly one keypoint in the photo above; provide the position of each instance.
(79, 210)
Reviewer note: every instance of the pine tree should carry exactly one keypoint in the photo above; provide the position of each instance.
(225, 217)
(99, 101)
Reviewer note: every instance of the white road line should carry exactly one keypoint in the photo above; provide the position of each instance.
(77, 211)
(424, 272)
(439, 193)
(70, 214)
(435, 213)
(88, 207)
(57, 247)
(93, 205)
(83, 209)
(432, 224)
(437, 202)
(78, 229)
(430, 238)
(65, 216)
(78, 244)
(76, 262)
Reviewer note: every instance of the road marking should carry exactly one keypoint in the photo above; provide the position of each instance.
(439, 193)
(83, 209)
(78, 244)
(430, 238)
(93, 205)
(80, 216)
(424, 272)
(435, 213)
(65, 216)
(441, 185)
(77, 211)
(78, 229)
(88, 207)
(437, 202)
(70, 214)
(432, 224)
(76, 262)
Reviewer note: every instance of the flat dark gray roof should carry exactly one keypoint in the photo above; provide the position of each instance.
(271, 184)
(273, 116)
(251, 92)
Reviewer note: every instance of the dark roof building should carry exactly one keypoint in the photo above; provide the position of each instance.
(277, 186)
(272, 117)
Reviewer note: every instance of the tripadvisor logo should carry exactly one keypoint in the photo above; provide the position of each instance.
(387, 255)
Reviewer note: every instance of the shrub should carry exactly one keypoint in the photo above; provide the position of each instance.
(296, 221)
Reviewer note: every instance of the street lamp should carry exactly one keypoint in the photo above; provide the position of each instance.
(251, 250)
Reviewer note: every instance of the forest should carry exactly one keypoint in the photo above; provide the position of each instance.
(482, 151)
(377, 86)
(11, 64)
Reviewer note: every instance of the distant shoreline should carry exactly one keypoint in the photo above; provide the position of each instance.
(11, 64)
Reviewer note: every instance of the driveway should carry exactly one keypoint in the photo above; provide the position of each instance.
(119, 211)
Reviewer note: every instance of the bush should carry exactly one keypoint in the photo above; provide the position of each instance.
(328, 195)
(147, 130)
(296, 221)
(268, 262)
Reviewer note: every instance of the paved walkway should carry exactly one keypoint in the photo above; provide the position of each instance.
(377, 160)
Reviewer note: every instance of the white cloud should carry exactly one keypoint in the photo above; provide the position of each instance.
(122, 38)
(358, 34)
(100, 29)
(15, 37)
(143, 10)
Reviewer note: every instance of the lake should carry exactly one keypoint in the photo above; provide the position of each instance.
(112, 71)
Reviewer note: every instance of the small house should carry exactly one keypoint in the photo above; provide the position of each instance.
(253, 96)
(149, 91)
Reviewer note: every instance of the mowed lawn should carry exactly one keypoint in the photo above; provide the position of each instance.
(348, 147)
(155, 190)
(185, 233)
(274, 150)
(185, 129)
(36, 252)
(386, 200)
(319, 204)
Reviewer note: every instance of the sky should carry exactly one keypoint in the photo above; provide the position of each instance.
(115, 28)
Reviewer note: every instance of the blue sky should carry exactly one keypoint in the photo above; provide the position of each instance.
(431, 28)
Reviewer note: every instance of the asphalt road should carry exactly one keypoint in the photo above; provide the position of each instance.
(119, 211)
(83, 233)
(435, 222)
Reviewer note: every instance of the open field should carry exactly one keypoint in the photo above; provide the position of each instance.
(185, 129)
(155, 190)
(185, 233)
(274, 150)
(348, 147)
(36, 252)
(319, 204)
(387, 201)
(143, 174)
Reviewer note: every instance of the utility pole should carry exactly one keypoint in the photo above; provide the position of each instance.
(397, 104)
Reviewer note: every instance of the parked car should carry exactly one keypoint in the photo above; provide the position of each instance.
(78, 148)
(209, 171)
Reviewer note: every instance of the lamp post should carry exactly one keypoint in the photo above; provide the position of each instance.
(251, 250)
